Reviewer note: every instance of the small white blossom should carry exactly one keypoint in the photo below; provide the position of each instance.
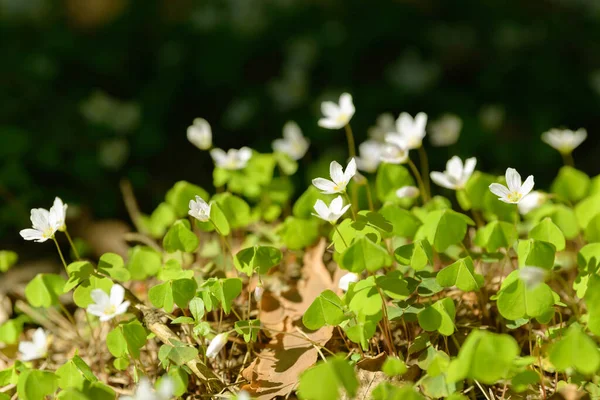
(516, 190)
(145, 391)
(456, 174)
(46, 222)
(333, 212)
(339, 178)
(408, 192)
(564, 140)
(337, 115)
(532, 201)
(216, 345)
(346, 280)
(199, 209)
(233, 159)
(445, 131)
(385, 124)
(294, 144)
(105, 307)
(243, 395)
(410, 130)
(258, 293)
(369, 156)
(395, 151)
(37, 348)
(200, 134)
(532, 276)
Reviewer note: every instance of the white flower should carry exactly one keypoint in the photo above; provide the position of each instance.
(564, 140)
(339, 178)
(411, 131)
(337, 115)
(385, 124)
(370, 156)
(532, 201)
(145, 391)
(199, 209)
(107, 307)
(346, 280)
(37, 348)
(243, 395)
(258, 293)
(46, 222)
(233, 159)
(200, 134)
(456, 174)
(332, 213)
(409, 192)
(515, 191)
(445, 131)
(216, 345)
(395, 151)
(294, 144)
(532, 276)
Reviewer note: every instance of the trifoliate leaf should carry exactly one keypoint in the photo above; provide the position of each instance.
(547, 231)
(460, 274)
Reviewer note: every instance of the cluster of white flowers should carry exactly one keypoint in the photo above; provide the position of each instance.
(46, 222)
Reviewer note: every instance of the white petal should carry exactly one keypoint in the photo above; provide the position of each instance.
(330, 123)
(527, 185)
(513, 180)
(442, 180)
(166, 388)
(40, 219)
(346, 105)
(469, 168)
(28, 351)
(454, 168)
(100, 297)
(336, 205)
(144, 390)
(499, 190)
(321, 208)
(39, 338)
(336, 172)
(219, 157)
(346, 280)
(324, 185)
(350, 170)
(117, 294)
(96, 310)
(291, 131)
(32, 234)
(122, 308)
(407, 192)
(245, 154)
(281, 146)
(330, 109)
(216, 345)
(420, 123)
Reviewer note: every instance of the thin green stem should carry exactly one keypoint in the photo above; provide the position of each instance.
(339, 233)
(420, 183)
(60, 254)
(425, 168)
(350, 139)
(351, 205)
(369, 197)
(568, 159)
(72, 245)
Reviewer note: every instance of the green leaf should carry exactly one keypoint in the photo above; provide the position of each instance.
(12, 329)
(180, 353)
(439, 317)
(161, 218)
(364, 254)
(363, 297)
(235, 209)
(337, 373)
(126, 339)
(69, 376)
(404, 223)
(180, 194)
(161, 296)
(79, 271)
(587, 209)
(288, 165)
(7, 259)
(547, 231)
(391, 177)
(350, 231)
(225, 291)
(443, 228)
(180, 237)
(565, 218)
(388, 391)
(393, 366)
(523, 379)
(496, 235)
(36, 385)
(484, 356)
(112, 265)
(362, 328)
(197, 308)
(515, 301)
(394, 285)
(575, 350)
(460, 274)
(248, 329)
(143, 262)
(297, 234)
(82, 296)
(571, 184)
(184, 290)
(592, 300)
(257, 258)
(417, 254)
(535, 253)
(327, 309)
(304, 206)
(592, 231)
(172, 271)
(218, 218)
(44, 290)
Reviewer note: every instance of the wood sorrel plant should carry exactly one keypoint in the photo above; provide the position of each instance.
(243, 293)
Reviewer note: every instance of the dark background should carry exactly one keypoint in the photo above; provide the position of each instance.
(247, 66)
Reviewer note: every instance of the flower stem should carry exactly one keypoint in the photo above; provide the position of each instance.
(568, 159)
(417, 175)
(369, 197)
(339, 233)
(351, 205)
(425, 168)
(350, 139)
(60, 254)
(72, 245)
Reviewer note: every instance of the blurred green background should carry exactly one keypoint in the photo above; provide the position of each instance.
(96, 90)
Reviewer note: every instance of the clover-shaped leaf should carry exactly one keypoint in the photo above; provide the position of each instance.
(439, 317)
(180, 237)
(327, 309)
(516, 301)
(443, 228)
(362, 255)
(495, 235)
(460, 274)
(547, 231)
(575, 350)
(417, 254)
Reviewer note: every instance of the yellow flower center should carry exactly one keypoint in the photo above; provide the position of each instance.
(110, 310)
(514, 197)
(342, 117)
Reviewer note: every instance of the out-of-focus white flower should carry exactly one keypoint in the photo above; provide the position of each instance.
(337, 115)
(243, 395)
(409, 130)
(339, 178)
(233, 159)
(37, 348)
(456, 174)
(532, 276)
(445, 131)
(369, 155)
(294, 144)
(105, 307)
(408, 192)
(564, 140)
(200, 134)
(385, 124)
(45, 223)
(216, 345)
(199, 209)
(515, 191)
(346, 280)
(395, 151)
(145, 391)
(333, 212)
(258, 293)
(532, 201)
